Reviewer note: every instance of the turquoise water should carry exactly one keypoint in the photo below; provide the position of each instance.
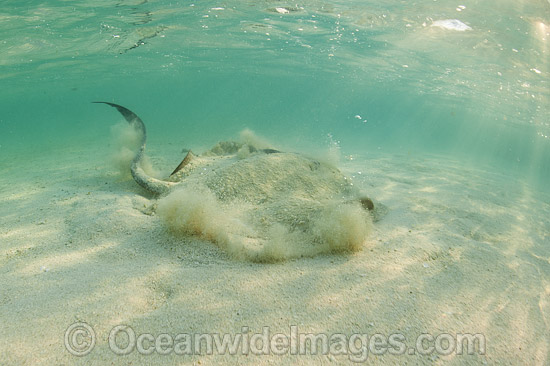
(368, 76)
(441, 111)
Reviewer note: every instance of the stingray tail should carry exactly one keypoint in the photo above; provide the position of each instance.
(151, 184)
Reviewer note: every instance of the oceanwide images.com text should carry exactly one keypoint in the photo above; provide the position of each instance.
(80, 339)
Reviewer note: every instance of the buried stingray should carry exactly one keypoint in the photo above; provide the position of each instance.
(255, 202)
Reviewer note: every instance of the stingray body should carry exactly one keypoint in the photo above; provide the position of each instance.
(256, 202)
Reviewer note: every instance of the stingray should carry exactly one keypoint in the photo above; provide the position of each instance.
(257, 202)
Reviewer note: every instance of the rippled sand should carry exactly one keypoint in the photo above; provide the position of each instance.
(460, 250)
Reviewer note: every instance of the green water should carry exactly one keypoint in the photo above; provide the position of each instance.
(368, 76)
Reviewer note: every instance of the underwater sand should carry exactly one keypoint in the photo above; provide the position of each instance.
(460, 250)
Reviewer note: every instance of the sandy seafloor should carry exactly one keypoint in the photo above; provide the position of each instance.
(460, 250)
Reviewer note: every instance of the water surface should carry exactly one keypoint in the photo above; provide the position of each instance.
(367, 76)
